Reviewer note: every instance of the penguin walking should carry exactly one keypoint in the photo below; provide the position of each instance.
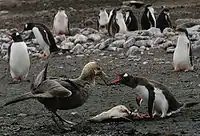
(160, 101)
(131, 21)
(19, 61)
(44, 37)
(148, 19)
(116, 23)
(103, 20)
(163, 21)
(61, 23)
(182, 57)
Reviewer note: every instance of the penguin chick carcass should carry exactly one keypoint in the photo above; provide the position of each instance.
(160, 101)
(63, 94)
(61, 23)
(18, 57)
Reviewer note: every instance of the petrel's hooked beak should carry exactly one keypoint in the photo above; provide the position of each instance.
(117, 80)
(10, 36)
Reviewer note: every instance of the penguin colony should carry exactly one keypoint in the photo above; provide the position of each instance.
(63, 94)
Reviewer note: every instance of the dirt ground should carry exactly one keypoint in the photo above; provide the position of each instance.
(31, 118)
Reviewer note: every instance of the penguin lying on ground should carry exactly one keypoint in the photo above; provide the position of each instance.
(160, 100)
(182, 58)
(116, 23)
(131, 21)
(102, 23)
(18, 57)
(148, 19)
(61, 23)
(163, 20)
(44, 37)
(63, 94)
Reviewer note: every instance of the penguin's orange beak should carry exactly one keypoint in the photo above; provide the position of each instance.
(117, 80)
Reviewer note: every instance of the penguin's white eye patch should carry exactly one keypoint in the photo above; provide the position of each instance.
(26, 25)
(125, 75)
(17, 34)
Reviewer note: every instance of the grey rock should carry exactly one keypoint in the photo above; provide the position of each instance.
(129, 43)
(120, 36)
(170, 50)
(94, 37)
(96, 51)
(168, 32)
(112, 48)
(68, 45)
(142, 38)
(153, 31)
(189, 21)
(79, 38)
(105, 44)
(117, 43)
(59, 38)
(5, 39)
(32, 49)
(75, 31)
(34, 41)
(146, 43)
(159, 40)
(78, 49)
(132, 51)
(167, 44)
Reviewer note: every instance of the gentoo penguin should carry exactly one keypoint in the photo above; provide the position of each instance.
(117, 23)
(63, 93)
(103, 20)
(19, 61)
(148, 19)
(44, 37)
(182, 58)
(163, 20)
(61, 22)
(131, 21)
(160, 100)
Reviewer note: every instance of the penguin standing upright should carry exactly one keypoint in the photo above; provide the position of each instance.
(103, 20)
(163, 21)
(113, 27)
(182, 58)
(44, 37)
(19, 61)
(131, 21)
(148, 19)
(116, 23)
(160, 100)
(61, 22)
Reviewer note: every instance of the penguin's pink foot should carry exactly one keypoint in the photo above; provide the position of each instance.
(61, 33)
(43, 55)
(16, 80)
(144, 116)
(176, 70)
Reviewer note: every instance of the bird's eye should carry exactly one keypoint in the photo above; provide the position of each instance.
(98, 68)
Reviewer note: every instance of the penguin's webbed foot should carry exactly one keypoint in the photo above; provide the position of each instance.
(176, 69)
(43, 55)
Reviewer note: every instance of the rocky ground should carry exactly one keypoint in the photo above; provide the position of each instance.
(31, 118)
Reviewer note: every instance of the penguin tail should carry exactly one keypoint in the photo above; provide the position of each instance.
(22, 97)
(190, 104)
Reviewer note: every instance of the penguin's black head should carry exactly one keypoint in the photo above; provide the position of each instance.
(147, 7)
(16, 37)
(122, 78)
(61, 9)
(28, 26)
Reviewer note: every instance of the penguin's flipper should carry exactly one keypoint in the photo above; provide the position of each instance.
(151, 99)
(190, 54)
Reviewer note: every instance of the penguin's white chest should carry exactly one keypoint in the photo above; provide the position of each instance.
(40, 39)
(19, 60)
(160, 101)
(121, 23)
(181, 58)
(60, 23)
(103, 20)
